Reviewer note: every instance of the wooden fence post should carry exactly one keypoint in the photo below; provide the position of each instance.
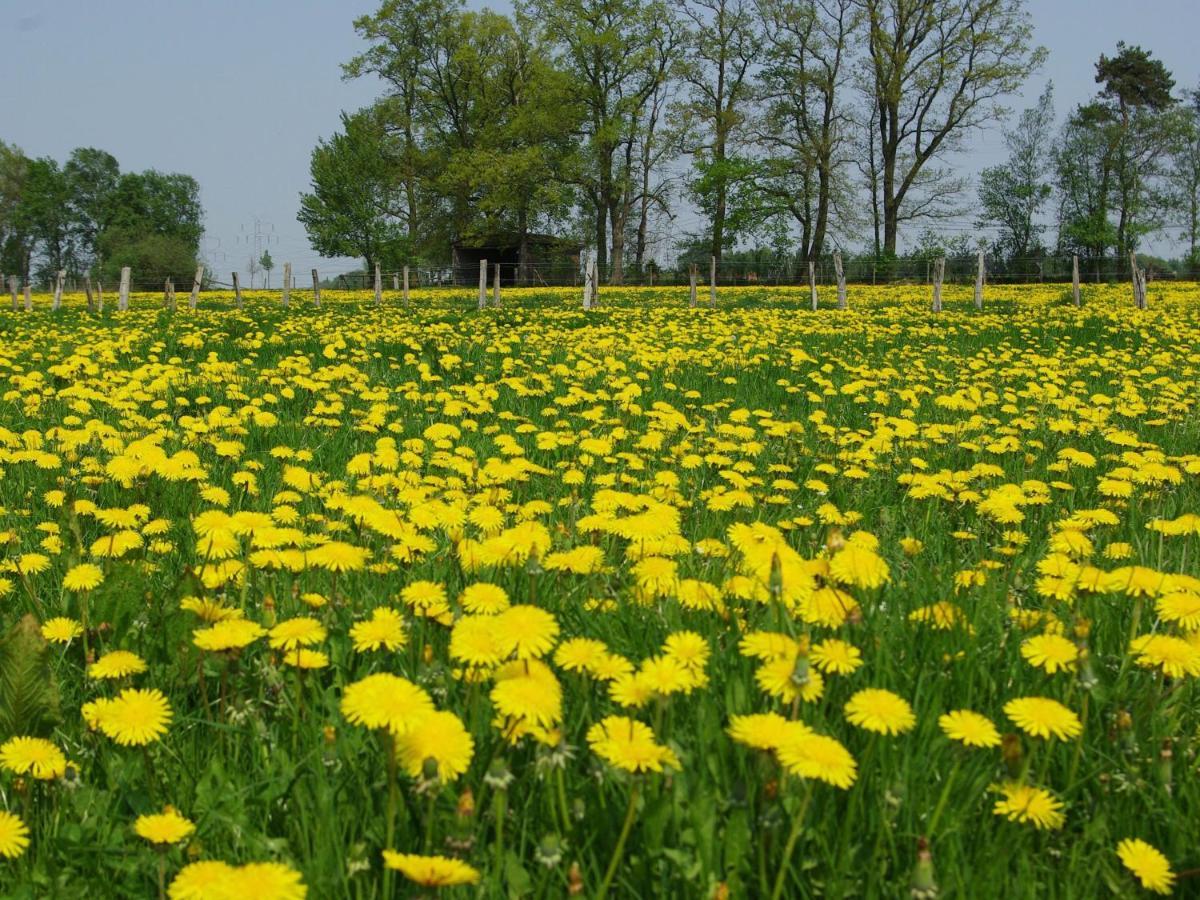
(123, 290)
(712, 281)
(197, 280)
(237, 290)
(812, 283)
(99, 295)
(483, 273)
(396, 282)
(316, 289)
(692, 286)
(404, 296)
(979, 281)
(87, 289)
(12, 287)
(58, 289)
(939, 272)
(587, 280)
(287, 284)
(1139, 282)
(841, 279)
(168, 300)
(378, 286)
(28, 296)
(496, 287)
(1075, 278)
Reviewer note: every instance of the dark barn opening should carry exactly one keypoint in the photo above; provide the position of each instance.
(546, 259)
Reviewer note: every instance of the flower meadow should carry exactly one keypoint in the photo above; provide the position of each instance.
(644, 601)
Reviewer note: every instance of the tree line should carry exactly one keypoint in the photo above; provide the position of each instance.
(87, 217)
(808, 124)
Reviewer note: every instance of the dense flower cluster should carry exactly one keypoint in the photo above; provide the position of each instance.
(305, 601)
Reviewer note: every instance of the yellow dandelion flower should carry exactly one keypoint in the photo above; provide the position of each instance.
(969, 728)
(1042, 717)
(1147, 864)
(880, 711)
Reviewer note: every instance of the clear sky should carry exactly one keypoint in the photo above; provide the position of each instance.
(237, 93)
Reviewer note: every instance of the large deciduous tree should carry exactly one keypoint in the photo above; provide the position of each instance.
(1013, 194)
(356, 206)
(721, 43)
(937, 70)
(617, 52)
(804, 127)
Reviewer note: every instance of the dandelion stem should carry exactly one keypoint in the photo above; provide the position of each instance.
(626, 827)
(430, 813)
(941, 804)
(389, 743)
(793, 836)
(499, 808)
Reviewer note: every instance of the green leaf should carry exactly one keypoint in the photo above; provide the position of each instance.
(29, 698)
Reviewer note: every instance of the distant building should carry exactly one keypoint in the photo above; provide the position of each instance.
(545, 259)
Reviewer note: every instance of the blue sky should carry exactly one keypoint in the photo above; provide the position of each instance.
(237, 93)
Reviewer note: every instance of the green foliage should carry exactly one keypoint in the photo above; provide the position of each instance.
(1013, 194)
(352, 208)
(29, 698)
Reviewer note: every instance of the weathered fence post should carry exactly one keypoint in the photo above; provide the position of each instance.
(168, 300)
(28, 296)
(12, 287)
(287, 284)
(404, 296)
(692, 286)
(1075, 278)
(123, 290)
(594, 281)
(979, 281)
(237, 290)
(496, 286)
(316, 289)
(812, 283)
(99, 295)
(1139, 281)
(396, 282)
(58, 289)
(712, 281)
(588, 262)
(87, 290)
(197, 280)
(378, 286)
(483, 273)
(939, 272)
(841, 279)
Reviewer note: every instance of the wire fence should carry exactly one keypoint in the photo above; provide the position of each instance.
(765, 272)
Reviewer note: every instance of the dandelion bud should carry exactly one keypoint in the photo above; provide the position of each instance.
(775, 584)
(721, 891)
(427, 654)
(1010, 752)
(329, 733)
(1165, 757)
(835, 541)
(771, 788)
(922, 885)
(269, 617)
(549, 851)
(1124, 720)
(578, 809)
(532, 565)
(800, 673)
(498, 777)
(574, 880)
(429, 768)
(1083, 628)
(1087, 674)
(466, 804)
